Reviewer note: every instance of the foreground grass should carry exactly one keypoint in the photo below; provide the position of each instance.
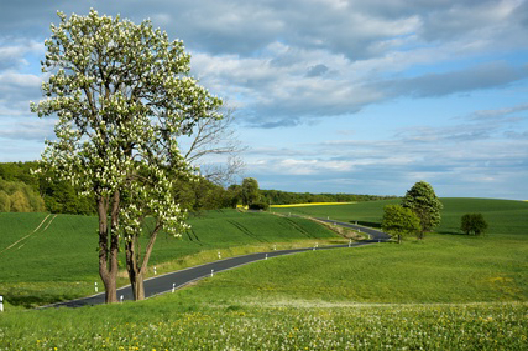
(164, 325)
(384, 296)
(59, 260)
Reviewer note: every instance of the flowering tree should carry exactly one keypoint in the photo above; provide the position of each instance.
(123, 95)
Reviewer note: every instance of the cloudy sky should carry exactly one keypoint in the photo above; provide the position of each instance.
(363, 97)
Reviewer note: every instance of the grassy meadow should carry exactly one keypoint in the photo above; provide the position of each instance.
(503, 216)
(59, 260)
(449, 292)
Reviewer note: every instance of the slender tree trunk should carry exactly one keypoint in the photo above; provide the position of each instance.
(137, 288)
(108, 247)
(136, 272)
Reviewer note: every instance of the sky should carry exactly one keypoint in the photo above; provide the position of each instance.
(336, 96)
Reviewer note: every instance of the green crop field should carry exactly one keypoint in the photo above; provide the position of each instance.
(503, 216)
(449, 292)
(63, 250)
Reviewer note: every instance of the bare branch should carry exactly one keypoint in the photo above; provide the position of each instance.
(216, 137)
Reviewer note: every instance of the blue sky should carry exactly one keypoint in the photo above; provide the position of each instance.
(329, 95)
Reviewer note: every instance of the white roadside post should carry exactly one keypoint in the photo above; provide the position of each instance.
(121, 298)
(96, 287)
(212, 272)
(1, 303)
(266, 256)
(350, 243)
(219, 256)
(173, 287)
(155, 273)
(274, 247)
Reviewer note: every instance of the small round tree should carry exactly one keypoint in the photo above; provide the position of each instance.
(249, 191)
(421, 199)
(473, 223)
(123, 96)
(398, 220)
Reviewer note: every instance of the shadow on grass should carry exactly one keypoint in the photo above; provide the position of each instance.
(450, 232)
(375, 225)
(31, 301)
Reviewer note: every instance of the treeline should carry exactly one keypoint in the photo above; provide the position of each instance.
(16, 181)
(20, 191)
(19, 197)
(277, 197)
(57, 197)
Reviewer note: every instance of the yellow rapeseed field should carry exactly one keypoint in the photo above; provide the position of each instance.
(316, 204)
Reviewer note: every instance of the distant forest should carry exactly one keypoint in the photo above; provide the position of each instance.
(20, 191)
(277, 197)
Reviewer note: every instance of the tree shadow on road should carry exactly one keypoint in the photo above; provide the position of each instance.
(375, 225)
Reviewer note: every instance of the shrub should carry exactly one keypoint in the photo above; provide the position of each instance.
(473, 223)
(258, 206)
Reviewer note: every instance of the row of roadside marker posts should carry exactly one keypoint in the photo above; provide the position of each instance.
(96, 287)
(121, 298)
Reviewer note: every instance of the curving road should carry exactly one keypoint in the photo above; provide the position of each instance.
(167, 282)
(375, 235)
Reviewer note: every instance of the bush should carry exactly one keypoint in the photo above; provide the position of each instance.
(258, 206)
(473, 223)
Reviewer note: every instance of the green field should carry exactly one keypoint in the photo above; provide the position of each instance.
(63, 251)
(449, 292)
(503, 216)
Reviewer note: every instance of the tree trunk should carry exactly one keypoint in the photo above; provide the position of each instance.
(135, 271)
(137, 287)
(108, 245)
(134, 274)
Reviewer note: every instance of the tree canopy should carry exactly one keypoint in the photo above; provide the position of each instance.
(249, 191)
(123, 95)
(473, 223)
(421, 199)
(398, 220)
(16, 196)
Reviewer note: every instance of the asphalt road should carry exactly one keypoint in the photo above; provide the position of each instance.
(167, 282)
(375, 235)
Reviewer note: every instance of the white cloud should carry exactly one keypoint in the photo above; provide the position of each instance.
(286, 63)
(13, 51)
